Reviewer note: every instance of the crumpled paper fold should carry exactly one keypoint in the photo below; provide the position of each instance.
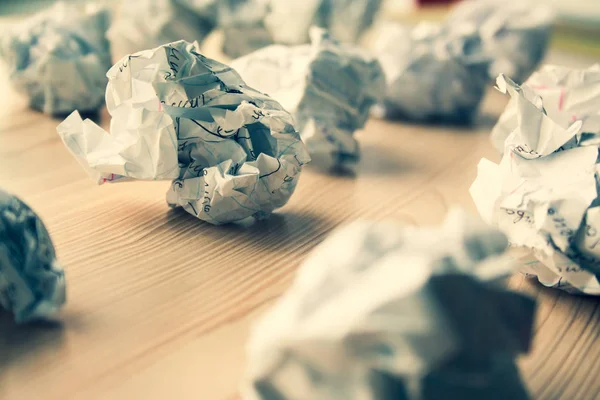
(556, 108)
(232, 152)
(544, 192)
(59, 58)
(32, 282)
(329, 88)
(384, 311)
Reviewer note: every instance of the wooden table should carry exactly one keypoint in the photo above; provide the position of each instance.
(160, 304)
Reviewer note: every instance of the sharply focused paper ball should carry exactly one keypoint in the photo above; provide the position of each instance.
(384, 311)
(329, 87)
(32, 282)
(59, 58)
(232, 152)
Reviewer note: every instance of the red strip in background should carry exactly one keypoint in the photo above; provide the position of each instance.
(435, 2)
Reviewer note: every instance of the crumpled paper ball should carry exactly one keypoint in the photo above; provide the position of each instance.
(32, 282)
(59, 58)
(544, 192)
(232, 152)
(516, 32)
(249, 25)
(290, 22)
(432, 74)
(243, 26)
(549, 207)
(348, 20)
(144, 24)
(328, 87)
(384, 311)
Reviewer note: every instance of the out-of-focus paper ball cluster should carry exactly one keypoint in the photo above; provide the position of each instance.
(515, 33)
(439, 72)
(329, 88)
(145, 24)
(432, 75)
(247, 25)
(383, 311)
(32, 282)
(544, 193)
(231, 151)
(251, 24)
(59, 58)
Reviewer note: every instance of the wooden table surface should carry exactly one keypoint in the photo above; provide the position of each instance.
(160, 304)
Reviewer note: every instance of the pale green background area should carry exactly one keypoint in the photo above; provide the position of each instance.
(15, 7)
(8, 7)
(577, 28)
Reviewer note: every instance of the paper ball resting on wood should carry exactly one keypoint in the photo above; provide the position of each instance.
(432, 74)
(143, 24)
(32, 282)
(231, 151)
(548, 205)
(516, 32)
(544, 192)
(329, 87)
(383, 311)
(59, 58)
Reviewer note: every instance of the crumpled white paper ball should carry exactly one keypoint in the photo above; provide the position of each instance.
(384, 311)
(59, 58)
(249, 25)
(516, 32)
(544, 192)
(432, 74)
(232, 152)
(32, 282)
(144, 24)
(329, 87)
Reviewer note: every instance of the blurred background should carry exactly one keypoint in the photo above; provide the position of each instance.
(577, 26)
